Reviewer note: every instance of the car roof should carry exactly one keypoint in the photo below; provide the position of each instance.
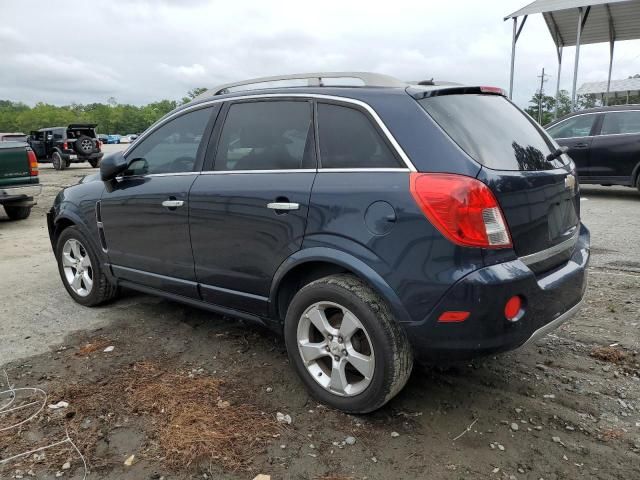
(611, 108)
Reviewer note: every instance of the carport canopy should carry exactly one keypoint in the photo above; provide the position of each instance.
(576, 22)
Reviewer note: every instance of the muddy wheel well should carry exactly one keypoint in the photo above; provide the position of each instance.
(60, 226)
(300, 276)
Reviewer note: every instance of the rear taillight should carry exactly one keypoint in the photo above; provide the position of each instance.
(33, 163)
(462, 208)
(65, 146)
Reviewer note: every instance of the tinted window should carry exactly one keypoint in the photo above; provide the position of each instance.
(348, 139)
(266, 136)
(492, 130)
(579, 126)
(621, 122)
(171, 148)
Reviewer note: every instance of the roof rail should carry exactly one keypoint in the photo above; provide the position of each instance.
(313, 80)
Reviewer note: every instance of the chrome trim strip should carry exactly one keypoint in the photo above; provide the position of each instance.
(550, 252)
(344, 170)
(243, 172)
(175, 174)
(366, 106)
(552, 325)
(29, 190)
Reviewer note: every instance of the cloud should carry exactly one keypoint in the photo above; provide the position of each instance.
(144, 50)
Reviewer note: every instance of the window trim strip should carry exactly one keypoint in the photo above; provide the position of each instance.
(392, 140)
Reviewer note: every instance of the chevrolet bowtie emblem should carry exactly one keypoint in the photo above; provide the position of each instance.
(570, 182)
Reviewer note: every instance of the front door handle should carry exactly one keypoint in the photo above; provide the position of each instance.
(580, 145)
(172, 204)
(283, 206)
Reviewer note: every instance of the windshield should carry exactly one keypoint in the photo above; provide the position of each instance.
(493, 131)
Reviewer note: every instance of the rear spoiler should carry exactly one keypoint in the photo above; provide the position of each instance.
(82, 125)
(419, 93)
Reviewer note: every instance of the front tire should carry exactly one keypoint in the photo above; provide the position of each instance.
(80, 269)
(345, 345)
(17, 213)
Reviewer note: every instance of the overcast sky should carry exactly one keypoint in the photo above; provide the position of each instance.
(144, 50)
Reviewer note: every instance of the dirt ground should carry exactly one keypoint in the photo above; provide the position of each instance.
(195, 395)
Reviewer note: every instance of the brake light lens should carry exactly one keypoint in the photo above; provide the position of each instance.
(494, 90)
(65, 146)
(33, 163)
(462, 208)
(453, 317)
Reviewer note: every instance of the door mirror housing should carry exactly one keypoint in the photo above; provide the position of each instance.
(112, 165)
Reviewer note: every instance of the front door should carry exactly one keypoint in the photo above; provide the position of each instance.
(36, 142)
(145, 213)
(249, 213)
(615, 153)
(576, 133)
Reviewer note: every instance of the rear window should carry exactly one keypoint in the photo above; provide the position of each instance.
(493, 131)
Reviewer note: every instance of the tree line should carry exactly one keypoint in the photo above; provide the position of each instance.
(548, 103)
(111, 117)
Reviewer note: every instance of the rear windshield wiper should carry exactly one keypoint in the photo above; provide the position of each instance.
(557, 153)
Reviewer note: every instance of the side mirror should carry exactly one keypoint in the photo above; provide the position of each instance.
(112, 165)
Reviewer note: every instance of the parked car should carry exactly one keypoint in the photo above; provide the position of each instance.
(103, 138)
(370, 225)
(604, 143)
(19, 183)
(13, 137)
(112, 138)
(62, 146)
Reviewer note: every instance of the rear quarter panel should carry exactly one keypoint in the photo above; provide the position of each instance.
(412, 257)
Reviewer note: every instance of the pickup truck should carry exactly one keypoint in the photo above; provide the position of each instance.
(19, 182)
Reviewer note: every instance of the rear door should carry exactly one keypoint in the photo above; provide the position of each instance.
(615, 152)
(576, 133)
(539, 197)
(249, 212)
(145, 213)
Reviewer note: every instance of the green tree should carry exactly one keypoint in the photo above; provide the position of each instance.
(110, 117)
(193, 93)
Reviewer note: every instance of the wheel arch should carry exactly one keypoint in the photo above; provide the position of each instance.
(68, 219)
(311, 264)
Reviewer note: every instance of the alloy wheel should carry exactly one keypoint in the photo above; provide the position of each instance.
(336, 349)
(78, 270)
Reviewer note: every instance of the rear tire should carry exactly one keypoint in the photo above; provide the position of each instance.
(360, 334)
(80, 269)
(93, 162)
(58, 162)
(17, 213)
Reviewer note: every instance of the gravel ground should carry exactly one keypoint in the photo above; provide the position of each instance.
(567, 407)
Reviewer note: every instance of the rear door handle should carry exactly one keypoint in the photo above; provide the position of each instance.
(580, 145)
(173, 203)
(283, 206)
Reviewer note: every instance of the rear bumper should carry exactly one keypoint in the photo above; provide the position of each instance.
(550, 299)
(20, 194)
(74, 157)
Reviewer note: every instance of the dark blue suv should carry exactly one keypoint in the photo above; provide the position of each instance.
(371, 224)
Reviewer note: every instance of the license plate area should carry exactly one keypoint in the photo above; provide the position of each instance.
(561, 219)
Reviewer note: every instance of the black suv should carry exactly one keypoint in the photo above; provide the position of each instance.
(370, 224)
(604, 143)
(63, 145)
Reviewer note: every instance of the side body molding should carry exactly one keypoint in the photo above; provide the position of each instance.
(348, 262)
